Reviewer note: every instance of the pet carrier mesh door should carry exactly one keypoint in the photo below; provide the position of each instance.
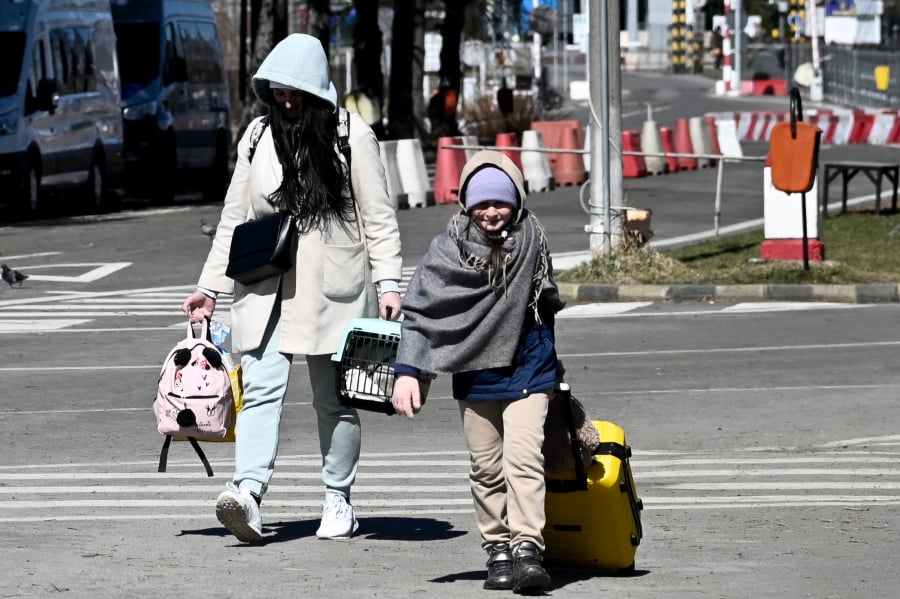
(365, 365)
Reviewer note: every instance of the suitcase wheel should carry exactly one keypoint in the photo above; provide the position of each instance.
(627, 571)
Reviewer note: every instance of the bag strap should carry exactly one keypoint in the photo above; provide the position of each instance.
(580, 483)
(343, 131)
(204, 330)
(164, 454)
(258, 129)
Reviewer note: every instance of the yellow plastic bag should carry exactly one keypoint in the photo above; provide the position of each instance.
(237, 390)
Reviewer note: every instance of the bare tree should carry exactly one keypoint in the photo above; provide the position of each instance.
(406, 61)
(315, 19)
(367, 47)
(268, 26)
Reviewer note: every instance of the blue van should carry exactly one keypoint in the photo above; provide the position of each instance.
(175, 102)
(60, 119)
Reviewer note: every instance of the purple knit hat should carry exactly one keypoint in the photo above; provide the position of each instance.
(490, 183)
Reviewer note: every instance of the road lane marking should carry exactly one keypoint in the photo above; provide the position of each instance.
(786, 306)
(50, 299)
(27, 256)
(437, 483)
(103, 269)
(600, 309)
(215, 490)
(860, 441)
(783, 486)
(32, 326)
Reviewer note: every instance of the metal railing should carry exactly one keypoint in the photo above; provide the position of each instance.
(720, 159)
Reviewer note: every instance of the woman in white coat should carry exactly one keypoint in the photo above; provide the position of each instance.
(347, 266)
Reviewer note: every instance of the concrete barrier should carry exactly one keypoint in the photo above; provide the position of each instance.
(535, 164)
(651, 142)
(413, 173)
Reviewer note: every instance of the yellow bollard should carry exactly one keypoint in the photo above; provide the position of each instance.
(882, 77)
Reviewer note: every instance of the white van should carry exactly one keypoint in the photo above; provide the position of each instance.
(174, 96)
(60, 120)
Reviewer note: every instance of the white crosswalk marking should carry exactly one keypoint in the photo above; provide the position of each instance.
(437, 483)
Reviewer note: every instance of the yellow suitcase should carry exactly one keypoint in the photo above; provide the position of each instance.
(595, 522)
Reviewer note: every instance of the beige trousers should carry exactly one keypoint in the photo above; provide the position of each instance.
(507, 477)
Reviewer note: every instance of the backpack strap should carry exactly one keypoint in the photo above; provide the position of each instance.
(343, 131)
(164, 454)
(258, 129)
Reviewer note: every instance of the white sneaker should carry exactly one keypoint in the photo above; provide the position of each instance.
(338, 519)
(238, 511)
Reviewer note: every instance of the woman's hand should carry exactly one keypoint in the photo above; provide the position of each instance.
(198, 306)
(389, 305)
(406, 400)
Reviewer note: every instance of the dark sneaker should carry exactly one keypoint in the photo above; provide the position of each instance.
(500, 568)
(529, 576)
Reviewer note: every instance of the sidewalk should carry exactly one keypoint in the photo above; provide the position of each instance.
(885, 293)
(862, 293)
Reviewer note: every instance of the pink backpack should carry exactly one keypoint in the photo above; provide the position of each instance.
(194, 397)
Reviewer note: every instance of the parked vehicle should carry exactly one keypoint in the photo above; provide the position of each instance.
(175, 100)
(60, 119)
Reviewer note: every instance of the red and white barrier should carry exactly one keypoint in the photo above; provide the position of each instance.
(844, 128)
(783, 223)
(726, 132)
(882, 126)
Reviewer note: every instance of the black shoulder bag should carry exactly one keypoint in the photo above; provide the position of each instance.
(265, 247)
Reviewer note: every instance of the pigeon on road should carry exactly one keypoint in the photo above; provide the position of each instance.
(12, 276)
(207, 229)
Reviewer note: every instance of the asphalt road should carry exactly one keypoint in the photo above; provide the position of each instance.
(764, 435)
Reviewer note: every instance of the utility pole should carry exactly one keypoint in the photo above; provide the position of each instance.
(536, 43)
(738, 44)
(815, 86)
(605, 128)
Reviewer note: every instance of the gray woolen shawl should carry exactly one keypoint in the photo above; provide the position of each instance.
(454, 319)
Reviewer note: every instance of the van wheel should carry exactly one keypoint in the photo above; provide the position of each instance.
(28, 202)
(217, 177)
(95, 192)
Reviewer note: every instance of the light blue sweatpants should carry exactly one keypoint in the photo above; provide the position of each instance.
(266, 373)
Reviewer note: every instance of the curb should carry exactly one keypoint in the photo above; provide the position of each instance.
(872, 293)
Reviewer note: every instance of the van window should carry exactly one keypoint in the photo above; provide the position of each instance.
(138, 64)
(12, 49)
(201, 49)
(36, 72)
(171, 52)
(73, 60)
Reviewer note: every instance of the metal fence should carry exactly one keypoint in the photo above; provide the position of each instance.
(849, 77)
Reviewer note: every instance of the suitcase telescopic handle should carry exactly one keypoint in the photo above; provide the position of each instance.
(565, 392)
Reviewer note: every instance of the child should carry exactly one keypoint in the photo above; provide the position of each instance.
(481, 306)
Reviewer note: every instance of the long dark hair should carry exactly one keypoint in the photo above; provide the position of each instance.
(314, 178)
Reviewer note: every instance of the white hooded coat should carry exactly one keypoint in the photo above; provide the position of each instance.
(333, 277)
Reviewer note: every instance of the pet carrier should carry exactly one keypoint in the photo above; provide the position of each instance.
(365, 365)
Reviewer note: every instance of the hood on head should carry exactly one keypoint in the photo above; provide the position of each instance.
(297, 61)
(486, 158)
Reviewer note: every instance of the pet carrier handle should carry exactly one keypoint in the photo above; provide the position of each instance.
(796, 111)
